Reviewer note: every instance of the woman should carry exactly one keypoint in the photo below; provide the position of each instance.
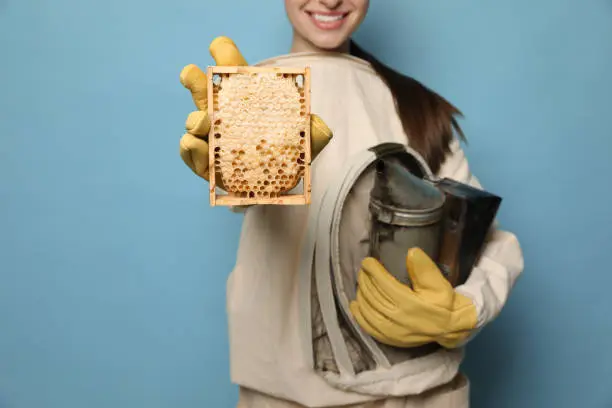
(280, 351)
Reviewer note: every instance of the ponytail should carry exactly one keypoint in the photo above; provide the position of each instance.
(429, 120)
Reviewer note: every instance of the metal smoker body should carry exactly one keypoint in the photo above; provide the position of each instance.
(406, 212)
(446, 219)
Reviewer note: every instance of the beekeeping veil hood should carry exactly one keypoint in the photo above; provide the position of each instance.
(300, 272)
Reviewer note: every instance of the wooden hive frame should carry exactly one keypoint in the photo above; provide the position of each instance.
(256, 162)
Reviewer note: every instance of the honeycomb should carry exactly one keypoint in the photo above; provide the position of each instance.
(260, 129)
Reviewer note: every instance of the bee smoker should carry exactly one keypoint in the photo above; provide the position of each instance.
(448, 220)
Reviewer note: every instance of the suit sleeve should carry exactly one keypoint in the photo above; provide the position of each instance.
(501, 263)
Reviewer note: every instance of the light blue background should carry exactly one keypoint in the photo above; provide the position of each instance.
(113, 266)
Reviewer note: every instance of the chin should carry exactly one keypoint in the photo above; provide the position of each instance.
(329, 44)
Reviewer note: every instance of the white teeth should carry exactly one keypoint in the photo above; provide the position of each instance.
(327, 19)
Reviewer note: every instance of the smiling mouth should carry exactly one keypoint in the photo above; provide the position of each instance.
(327, 21)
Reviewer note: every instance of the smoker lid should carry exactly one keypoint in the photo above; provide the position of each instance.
(401, 197)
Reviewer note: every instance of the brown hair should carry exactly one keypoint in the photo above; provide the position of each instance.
(428, 119)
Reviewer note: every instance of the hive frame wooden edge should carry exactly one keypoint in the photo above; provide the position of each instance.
(228, 199)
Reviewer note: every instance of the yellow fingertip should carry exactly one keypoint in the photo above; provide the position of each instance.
(185, 74)
(319, 129)
(417, 258)
(356, 312)
(357, 315)
(191, 76)
(194, 153)
(198, 123)
(220, 40)
(369, 263)
(320, 135)
(416, 253)
(185, 152)
(225, 52)
(192, 120)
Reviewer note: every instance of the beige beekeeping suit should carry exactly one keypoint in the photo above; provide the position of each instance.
(272, 321)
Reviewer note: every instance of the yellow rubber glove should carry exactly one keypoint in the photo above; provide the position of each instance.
(398, 315)
(193, 145)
